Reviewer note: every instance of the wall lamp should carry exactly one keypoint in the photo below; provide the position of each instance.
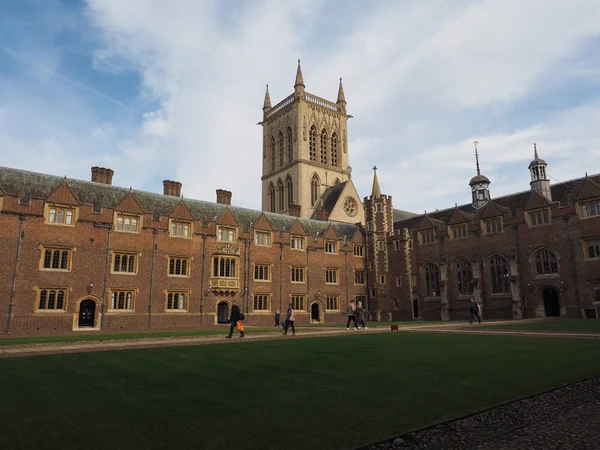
(90, 286)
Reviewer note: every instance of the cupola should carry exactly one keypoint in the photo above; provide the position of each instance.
(480, 185)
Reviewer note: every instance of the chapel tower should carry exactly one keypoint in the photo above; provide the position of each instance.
(539, 178)
(305, 155)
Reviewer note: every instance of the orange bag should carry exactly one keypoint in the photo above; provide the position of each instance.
(240, 325)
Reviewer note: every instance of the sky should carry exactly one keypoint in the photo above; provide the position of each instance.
(158, 89)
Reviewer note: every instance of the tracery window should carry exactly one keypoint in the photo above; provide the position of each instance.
(499, 273)
(290, 145)
(464, 277)
(290, 191)
(314, 190)
(281, 160)
(334, 151)
(432, 280)
(280, 195)
(272, 197)
(323, 147)
(272, 153)
(312, 143)
(546, 263)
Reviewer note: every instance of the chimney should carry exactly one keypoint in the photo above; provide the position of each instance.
(102, 175)
(294, 210)
(322, 214)
(172, 188)
(223, 197)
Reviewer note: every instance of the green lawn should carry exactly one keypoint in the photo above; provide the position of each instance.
(319, 393)
(573, 325)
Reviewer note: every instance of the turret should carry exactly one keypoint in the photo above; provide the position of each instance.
(341, 98)
(299, 84)
(267, 103)
(539, 179)
(480, 185)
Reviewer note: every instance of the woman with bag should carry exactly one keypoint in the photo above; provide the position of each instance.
(235, 320)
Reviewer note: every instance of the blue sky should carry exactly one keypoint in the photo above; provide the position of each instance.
(173, 90)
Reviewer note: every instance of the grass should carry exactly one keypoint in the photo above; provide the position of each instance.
(569, 325)
(319, 393)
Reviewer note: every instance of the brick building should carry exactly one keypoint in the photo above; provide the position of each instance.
(531, 254)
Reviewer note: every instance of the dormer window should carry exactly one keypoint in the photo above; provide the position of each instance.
(297, 243)
(262, 238)
(590, 209)
(226, 234)
(493, 225)
(538, 218)
(127, 223)
(61, 215)
(427, 237)
(459, 231)
(181, 229)
(330, 247)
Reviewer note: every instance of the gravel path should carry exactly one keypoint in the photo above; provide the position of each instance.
(564, 418)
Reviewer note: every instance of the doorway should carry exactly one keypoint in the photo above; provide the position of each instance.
(551, 302)
(223, 312)
(87, 314)
(315, 313)
(415, 306)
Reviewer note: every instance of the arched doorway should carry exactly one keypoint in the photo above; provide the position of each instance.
(315, 312)
(223, 312)
(551, 302)
(87, 314)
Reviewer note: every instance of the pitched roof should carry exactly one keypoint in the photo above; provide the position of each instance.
(330, 198)
(401, 215)
(537, 200)
(561, 192)
(39, 186)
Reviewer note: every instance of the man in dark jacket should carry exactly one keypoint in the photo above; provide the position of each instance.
(235, 316)
(474, 312)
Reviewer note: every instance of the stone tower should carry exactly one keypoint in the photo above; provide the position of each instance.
(305, 150)
(539, 179)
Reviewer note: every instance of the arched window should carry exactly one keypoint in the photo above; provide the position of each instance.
(312, 143)
(464, 277)
(323, 146)
(290, 145)
(432, 280)
(290, 191)
(336, 181)
(280, 195)
(545, 263)
(281, 160)
(500, 275)
(272, 153)
(314, 190)
(272, 197)
(334, 153)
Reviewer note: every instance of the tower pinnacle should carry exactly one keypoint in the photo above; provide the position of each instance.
(267, 103)
(341, 98)
(376, 191)
(299, 78)
(535, 153)
(477, 158)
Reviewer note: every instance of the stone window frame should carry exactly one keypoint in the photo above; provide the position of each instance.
(177, 292)
(56, 249)
(226, 233)
(264, 234)
(295, 240)
(121, 254)
(463, 269)
(380, 245)
(182, 259)
(358, 250)
(332, 276)
(545, 258)
(258, 299)
(221, 267)
(256, 270)
(431, 279)
(498, 278)
(113, 305)
(584, 207)
(298, 272)
(295, 298)
(496, 225)
(183, 223)
(123, 216)
(595, 291)
(427, 237)
(382, 279)
(458, 231)
(586, 248)
(53, 210)
(539, 217)
(331, 247)
(57, 289)
(332, 302)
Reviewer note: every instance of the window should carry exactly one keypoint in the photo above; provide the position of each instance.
(373, 292)
(281, 149)
(590, 209)
(396, 245)
(180, 229)
(314, 190)
(334, 152)
(261, 302)
(545, 263)
(427, 237)
(297, 274)
(358, 250)
(272, 153)
(124, 263)
(380, 245)
(595, 287)
(432, 280)
(382, 279)
(297, 243)
(500, 275)
(464, 277)
(539, 218)
(52, 299)
(312, 144)
(224, 267)
(330, 247)
(331, 276)
(398, 281)
(179, 267)
(332, 303)
(261, 272)
(128, 224)
(61, 216)
(226, 234)
(359, 277)
(272, 197)
(297, 302)
(262, 238)
(369, 226)
(121, 300)
(290, 145)
(290, 192)
(323, 147)
(459, 231)
(493, 225)
(56, 258)
(280, 195)
(177, 301)
(370, 266)
(379, 207)
(413, 280)
(592, 248)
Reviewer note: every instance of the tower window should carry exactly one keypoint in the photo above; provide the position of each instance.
(290, 191)
(323, 147)
(272, 153)
(312, 143)
(314, 190)
(280, 195)
(272, 197)
(334, 154)
(281, 160)
(290, 145)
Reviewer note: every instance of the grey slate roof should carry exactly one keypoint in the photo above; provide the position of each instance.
(330, 197)
(401, 215)
(34, 185)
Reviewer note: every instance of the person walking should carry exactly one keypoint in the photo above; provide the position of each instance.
(289, 321)
(479, 311)
(351, 315)
(473, 312)
(277, 319)
(235, 317)
(360, 315)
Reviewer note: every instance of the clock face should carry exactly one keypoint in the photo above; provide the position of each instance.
(350, 207)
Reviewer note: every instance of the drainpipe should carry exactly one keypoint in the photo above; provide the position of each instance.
(202, 281)
(106, 269)
(572, 264)
(281, 276)
(15, 272)
(154, 233)
(346, 263)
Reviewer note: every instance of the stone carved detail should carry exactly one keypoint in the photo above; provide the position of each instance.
(226, 249)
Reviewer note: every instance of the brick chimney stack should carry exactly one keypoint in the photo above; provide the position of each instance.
(294, 209)
(172, 188)
(223, 197)
(322, 214)
(102, 175)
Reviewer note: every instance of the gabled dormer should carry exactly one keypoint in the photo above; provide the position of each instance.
(492, 218)
(538, 210)
(427, 230)
(181, 221)
(458, 224)
(227, 227)
(61, 206)
(128, 215)
(263, 232)
(588, 199)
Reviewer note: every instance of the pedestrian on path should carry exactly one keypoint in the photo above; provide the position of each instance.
(473, 312)
(289, 321)
(235, 317)
(351, 315)
(479, 311)
(360, 315)
(277, 319)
